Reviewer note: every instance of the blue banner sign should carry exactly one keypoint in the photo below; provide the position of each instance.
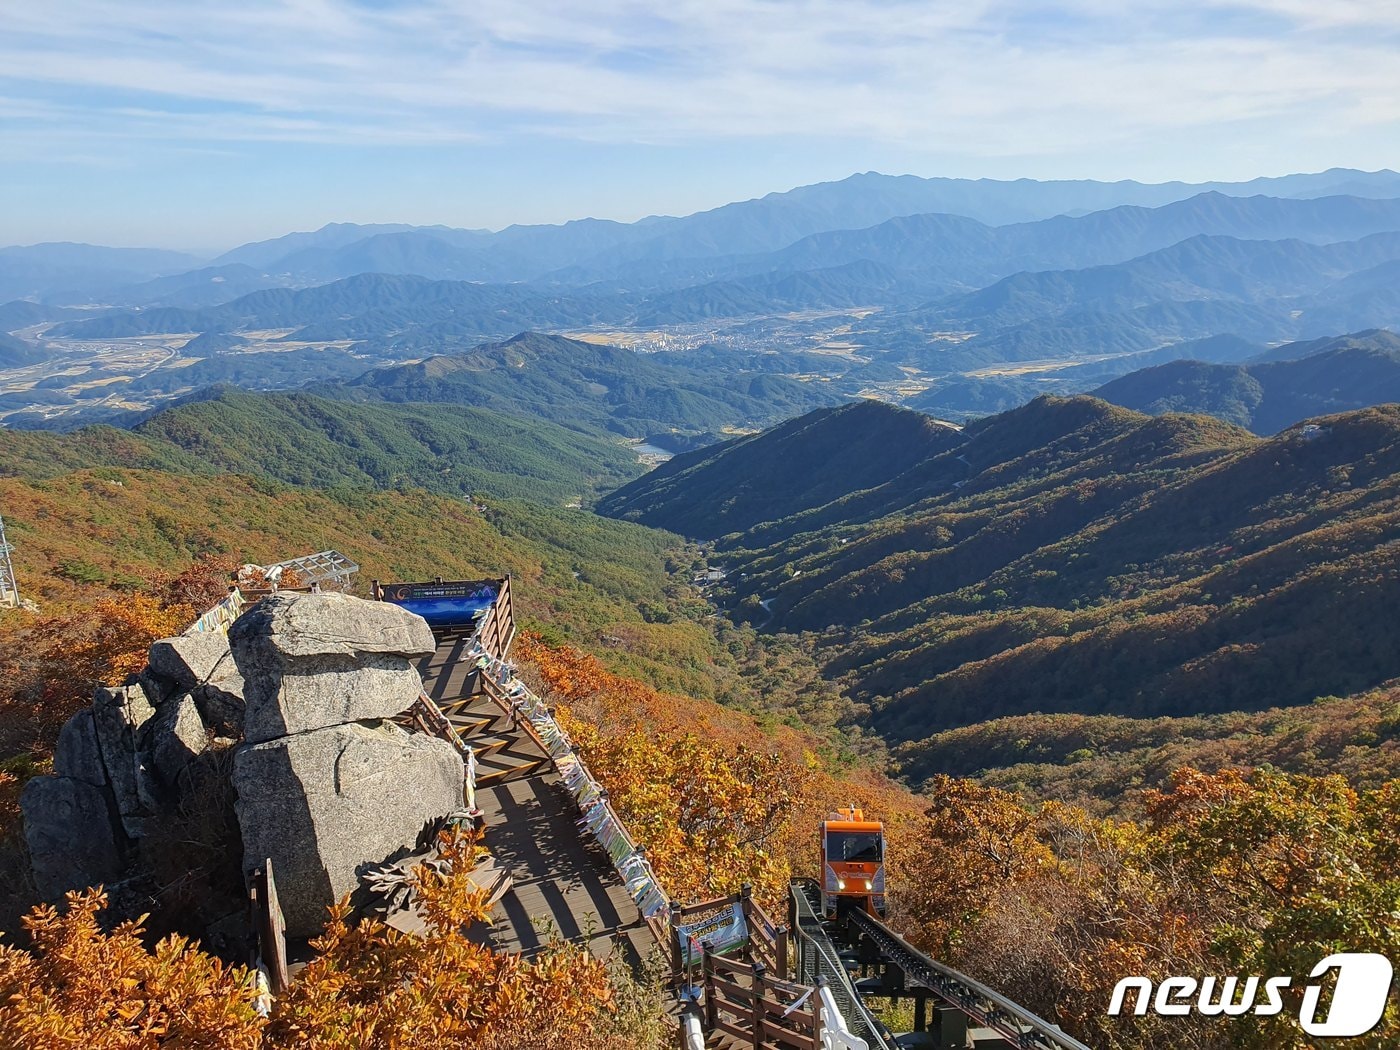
(449, 604)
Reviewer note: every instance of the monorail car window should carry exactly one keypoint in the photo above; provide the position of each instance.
(853, 846)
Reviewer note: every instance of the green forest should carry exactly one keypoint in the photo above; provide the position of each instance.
(1065, 558)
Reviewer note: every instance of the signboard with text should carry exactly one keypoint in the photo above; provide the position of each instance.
(443, 603)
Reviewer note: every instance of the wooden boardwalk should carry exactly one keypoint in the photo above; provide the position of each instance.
(564, 885)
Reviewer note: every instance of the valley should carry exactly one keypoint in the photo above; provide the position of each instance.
(89, 379)
(85, 380)
(1067, 557)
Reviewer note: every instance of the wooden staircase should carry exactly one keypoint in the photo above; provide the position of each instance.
(503, 750)
(562, 882)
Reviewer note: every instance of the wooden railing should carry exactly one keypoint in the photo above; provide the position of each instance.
(271, 929)
(427, 716)
(767, 941)
(744, 1001)
(497, 628)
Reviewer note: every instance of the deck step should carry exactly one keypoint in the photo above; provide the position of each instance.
(472, 705)
(718, 1040)
(487, 745)
(472, 725)
(488, 773)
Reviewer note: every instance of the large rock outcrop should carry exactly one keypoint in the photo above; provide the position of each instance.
(325, 805)
(73, 834)
(309, 661)
(71, 823)
(201, 665)
(77, 753)
(118, 766)
(119, 716)
(190, 660)
(326, 786)
(178, 737)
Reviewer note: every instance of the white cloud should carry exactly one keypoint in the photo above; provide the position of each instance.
(981, 78)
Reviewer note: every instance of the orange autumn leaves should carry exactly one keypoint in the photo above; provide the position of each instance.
(50, 665)
(369, 986)
(709, 812)
(715, 800)
(1230, 873)
(1226, 873)
(80, 987)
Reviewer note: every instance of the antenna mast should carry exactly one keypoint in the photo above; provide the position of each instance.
(9, 589)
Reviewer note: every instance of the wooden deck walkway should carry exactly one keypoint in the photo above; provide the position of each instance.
(564, 885)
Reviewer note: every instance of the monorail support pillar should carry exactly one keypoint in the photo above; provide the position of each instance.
(952, 1028)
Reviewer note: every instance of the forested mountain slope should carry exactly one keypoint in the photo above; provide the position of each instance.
(307, 440)
(576, 383)
(1074, 556)
(797, 466)
(1270, 394)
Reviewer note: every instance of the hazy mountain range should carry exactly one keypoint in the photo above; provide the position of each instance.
(1301, 252)
(601, 248)
(958, 297)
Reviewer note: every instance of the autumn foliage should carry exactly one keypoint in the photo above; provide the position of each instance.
(1224, 873)
(716, 800)
(368, 986)
(49, 666)
(81, 987)
(1230, 874)
(371, 985)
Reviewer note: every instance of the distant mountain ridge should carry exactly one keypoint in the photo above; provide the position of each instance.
(767, 223)
(953, 249)
(897, 258)
(356, 307)
(750, 237)
(600, 249)
(1200, 267)
(1204, 286)
(1337, 273)
(194, 289)
(1266, 396)
(804, 298)
(37, 270)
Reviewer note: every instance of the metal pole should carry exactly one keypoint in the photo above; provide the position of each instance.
(9, 588)
(679, 970)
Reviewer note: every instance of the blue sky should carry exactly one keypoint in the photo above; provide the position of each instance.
(201, 125)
